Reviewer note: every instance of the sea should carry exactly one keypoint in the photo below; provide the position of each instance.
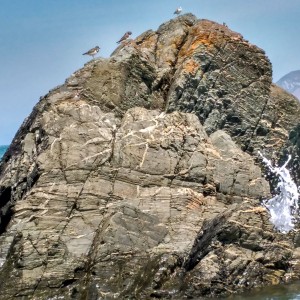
(278, 292)
(2, 150)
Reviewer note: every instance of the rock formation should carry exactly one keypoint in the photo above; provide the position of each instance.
(138, 177)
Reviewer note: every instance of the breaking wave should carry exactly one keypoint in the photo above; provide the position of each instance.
(284, 207)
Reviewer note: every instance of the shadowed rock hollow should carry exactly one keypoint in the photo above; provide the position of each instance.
(137, 178)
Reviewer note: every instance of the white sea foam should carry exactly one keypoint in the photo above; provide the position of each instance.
(2, 261)
(283, 208)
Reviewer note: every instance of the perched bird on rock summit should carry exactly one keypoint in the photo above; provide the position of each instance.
(93, 51)
(178, 11)
(124, 37)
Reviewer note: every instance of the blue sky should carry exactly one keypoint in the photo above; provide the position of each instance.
(42, 41)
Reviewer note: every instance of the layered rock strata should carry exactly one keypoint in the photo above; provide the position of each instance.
(137, 178)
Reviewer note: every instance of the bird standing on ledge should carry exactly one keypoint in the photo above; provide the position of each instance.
(124, 37)
(93, 51)
(178, 11)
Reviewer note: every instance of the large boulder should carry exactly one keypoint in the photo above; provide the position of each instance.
(138, 177)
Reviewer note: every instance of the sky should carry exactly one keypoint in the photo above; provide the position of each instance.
(42, 41)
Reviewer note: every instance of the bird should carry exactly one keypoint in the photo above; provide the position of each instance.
(178, 11)
(93, 51)
(124, 37)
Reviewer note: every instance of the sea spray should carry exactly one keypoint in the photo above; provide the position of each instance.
(284, 207)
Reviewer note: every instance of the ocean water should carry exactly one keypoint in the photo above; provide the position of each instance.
(2, 150)
(278, 292)
(284, 207)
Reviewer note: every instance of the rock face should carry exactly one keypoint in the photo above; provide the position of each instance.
(138, 179)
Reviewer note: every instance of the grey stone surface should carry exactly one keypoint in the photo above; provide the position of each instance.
(138, 177)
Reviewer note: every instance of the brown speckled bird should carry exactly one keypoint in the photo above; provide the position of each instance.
(124, 37)
(93, 51)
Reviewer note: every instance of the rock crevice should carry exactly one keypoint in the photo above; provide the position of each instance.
(139, 176)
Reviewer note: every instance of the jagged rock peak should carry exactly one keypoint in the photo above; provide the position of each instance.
(130, 179)
(190, 65)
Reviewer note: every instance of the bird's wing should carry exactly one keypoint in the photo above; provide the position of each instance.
(123, 38)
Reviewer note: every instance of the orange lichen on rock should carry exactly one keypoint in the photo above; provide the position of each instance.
(200, 40)
(148, 42)
(204, 39)
(191, 66)
(207, 35)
